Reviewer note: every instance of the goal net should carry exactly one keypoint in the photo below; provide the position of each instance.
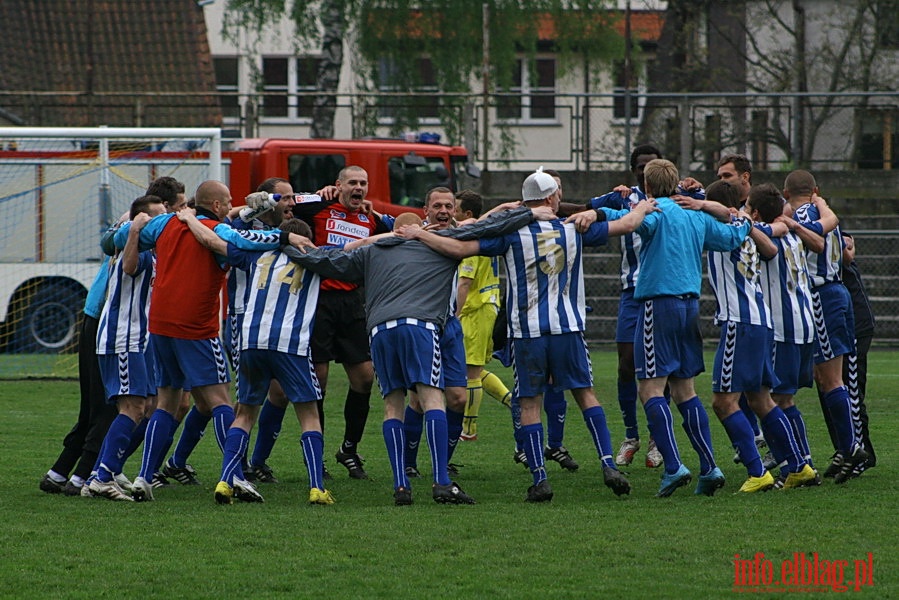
(59, 191)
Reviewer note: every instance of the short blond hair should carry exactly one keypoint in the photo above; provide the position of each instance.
(407, 218)
(661, 177)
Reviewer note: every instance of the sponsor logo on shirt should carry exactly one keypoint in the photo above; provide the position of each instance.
(339, 240)
(345, 228)
(337, 214)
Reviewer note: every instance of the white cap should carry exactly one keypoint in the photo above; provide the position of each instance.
(538, 185)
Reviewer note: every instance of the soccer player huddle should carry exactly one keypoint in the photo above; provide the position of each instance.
(330, 280)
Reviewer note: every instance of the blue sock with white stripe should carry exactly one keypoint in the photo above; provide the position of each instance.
(438, 443)
(743, 439)
(236, 443)
(627, 402)
(555, 407)
(750, 416)
(794, 416)
(137, 438)
(516, 423)
(118, 436)
(413, 426)
(779, 434)
(395, 441)
(696, 425)
(222, 418)
(194, 427)
(156, 439)
(595, 418)
(271, 418)
(660, 423)
(313, 444)
(533, 448)
(453, 431)
(837, 402)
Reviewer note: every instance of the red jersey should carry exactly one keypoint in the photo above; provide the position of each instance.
(185, 302)
(333, 224)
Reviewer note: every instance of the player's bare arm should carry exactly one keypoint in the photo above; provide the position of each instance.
(811, 240)
(131, 253)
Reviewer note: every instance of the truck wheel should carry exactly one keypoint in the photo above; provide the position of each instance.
(49, 323)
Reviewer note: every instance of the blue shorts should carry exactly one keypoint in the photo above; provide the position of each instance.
(189, 364)
(743, 361)
(405, 354)
(452, 351)
(668, 341)
(628, 316)
(793, 367)
(834, 322)
(296, 374)
(562, 359)
(126, 374)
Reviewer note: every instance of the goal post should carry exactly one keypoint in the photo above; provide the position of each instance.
(59, 190)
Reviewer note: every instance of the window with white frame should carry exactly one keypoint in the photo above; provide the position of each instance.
(287, 83)
(422, 103)
(630, 82)
(532, 94)
(227, 83)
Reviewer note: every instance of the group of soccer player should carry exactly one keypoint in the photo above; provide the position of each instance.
(774, 264)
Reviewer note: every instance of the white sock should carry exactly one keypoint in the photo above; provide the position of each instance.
(56, 476)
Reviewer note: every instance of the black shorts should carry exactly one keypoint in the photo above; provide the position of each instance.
(340, 333)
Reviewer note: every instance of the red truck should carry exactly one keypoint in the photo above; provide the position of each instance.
(399, 173)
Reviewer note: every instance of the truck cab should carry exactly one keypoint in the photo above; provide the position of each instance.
(400, 173)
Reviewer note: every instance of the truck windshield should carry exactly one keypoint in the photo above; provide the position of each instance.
(410, 182)
(465, 175)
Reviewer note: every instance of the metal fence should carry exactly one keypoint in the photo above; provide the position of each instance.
(832, 131)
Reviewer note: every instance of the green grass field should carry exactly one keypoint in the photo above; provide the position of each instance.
(586, 543)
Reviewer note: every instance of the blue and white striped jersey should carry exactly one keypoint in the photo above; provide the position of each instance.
(734, 277)
(544, 263)
(237, 278)
(630, 243)
(825, 267)
(281, 300)
(785, 284)
(123, 322)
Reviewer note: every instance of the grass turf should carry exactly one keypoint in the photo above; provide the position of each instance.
(585, 543)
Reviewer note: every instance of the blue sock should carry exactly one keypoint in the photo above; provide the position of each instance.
(194, 427)
(236, 442)
(137, 438)
(395, 440)
(555, 407)
(696, 425)
(435, 425)
(533, 447)
(159, 432)
(743, 439)
(779, 434)
(516, 423)
(661, 427)
(270, 419)
(627, 401)
(837, 402)
(799, 433)
(222, 418)
(453, 431)
(313, 444)
(750, 416)
(595, 418)
(118, 436)
(413, 426)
